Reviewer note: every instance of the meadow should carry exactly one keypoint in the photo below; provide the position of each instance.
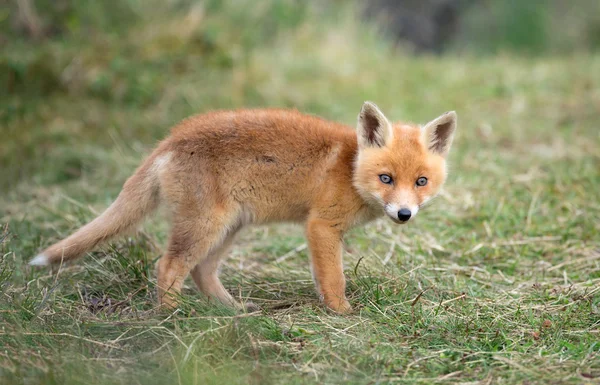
(497, 282)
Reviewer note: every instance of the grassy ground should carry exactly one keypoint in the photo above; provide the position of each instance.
(497, 282)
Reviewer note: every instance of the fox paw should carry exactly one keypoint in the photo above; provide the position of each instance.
(340, 306)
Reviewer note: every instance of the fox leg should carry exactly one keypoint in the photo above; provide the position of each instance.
(192, 240)
(206, 277)
(171, 272)
(325, 242)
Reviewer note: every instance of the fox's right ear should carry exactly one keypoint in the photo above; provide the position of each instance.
(373, 128)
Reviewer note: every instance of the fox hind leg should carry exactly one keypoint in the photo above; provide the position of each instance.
(192, 241)
(206, 276)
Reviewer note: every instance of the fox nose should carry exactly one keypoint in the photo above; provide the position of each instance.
(404, 214)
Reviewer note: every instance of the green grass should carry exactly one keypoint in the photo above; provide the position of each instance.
(497, 282)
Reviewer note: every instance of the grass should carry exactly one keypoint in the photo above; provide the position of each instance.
(498, 282)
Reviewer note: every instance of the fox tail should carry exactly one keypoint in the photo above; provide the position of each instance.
(139, 197)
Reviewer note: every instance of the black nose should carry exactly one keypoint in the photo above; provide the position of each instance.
(404, 215)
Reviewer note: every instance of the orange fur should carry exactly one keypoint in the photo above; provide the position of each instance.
(220, 171)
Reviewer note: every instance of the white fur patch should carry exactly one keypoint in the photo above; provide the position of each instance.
(246, 217)
(39, 260)
(161, 161)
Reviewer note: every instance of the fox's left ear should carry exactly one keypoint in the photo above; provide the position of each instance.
(440, 132)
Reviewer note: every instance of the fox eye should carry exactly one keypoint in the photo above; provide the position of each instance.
(385, 178)
(422, 181)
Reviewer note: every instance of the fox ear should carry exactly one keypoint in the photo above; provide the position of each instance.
(373, 128)
(440, 132)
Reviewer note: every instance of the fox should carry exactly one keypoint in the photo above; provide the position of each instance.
(223, 170)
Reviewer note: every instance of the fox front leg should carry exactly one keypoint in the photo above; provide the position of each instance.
(325, 243)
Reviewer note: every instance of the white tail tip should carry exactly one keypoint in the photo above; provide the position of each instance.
(40, 260)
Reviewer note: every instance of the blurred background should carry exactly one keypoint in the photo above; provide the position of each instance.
(77, 77)
(491, 26)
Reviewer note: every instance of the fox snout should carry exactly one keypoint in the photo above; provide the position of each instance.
(404, 214)
(401, 214)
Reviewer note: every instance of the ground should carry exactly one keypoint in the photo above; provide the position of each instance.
(497, 282)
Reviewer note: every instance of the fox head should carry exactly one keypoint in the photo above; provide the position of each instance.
(400, 167)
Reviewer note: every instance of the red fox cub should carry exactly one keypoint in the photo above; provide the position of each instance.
(223, 170)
